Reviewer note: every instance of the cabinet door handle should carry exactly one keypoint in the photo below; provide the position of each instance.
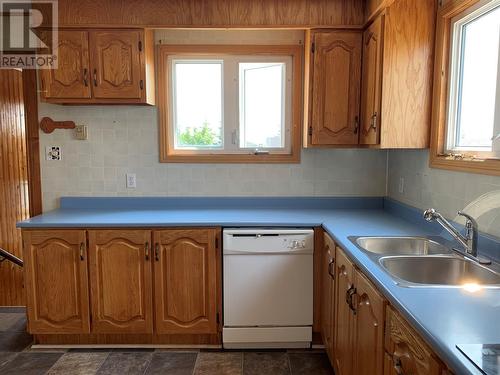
(373, 124)
(398, 365)
(356, 125)
(330, 268)
(85, 81)
(157, 251)
(82, 250)
(146, 248)
(95, 77)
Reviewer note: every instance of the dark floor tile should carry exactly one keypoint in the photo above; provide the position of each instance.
(125, 363)
(78, 363)
(219, 363)
(265, 363)
(30, 363)
(134, 350)
(14, 341)
(89, 350)
(172, 363)
(13, 309)
(6, 357)
(310, 363)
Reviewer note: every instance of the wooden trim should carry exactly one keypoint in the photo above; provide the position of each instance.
(170, 156)
(440, 98)
(32, 141)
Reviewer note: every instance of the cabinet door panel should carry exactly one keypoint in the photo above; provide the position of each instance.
(327, 304)
(336, 88)
(344, 282)
(371, 90)
(369, 328)
(121, 279)
(408, 353)
(56, 281)
(186, 272)
(71, 79)
(116, 64)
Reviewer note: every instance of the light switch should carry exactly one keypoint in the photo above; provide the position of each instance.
(81, 132)
(131, 181)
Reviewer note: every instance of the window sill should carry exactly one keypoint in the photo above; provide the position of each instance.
(481, 166)
(293, 158)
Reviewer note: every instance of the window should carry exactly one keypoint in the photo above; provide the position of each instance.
(229, 103)
(466, 118)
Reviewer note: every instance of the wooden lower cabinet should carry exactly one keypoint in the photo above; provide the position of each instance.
(121, 281)
(328, 297)
(406, 352)
(56, 281)
(187, 274)
(359, 340)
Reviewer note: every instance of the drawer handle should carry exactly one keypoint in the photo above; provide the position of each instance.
(146, 248)
(157, 251)
(95, 77)
(85, 81)
(82, 249)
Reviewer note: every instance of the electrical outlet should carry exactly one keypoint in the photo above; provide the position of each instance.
(131, 181)
(401, 185)
(81, 132)
(53, 153)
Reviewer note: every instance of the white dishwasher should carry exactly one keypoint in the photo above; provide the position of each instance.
(268, 288)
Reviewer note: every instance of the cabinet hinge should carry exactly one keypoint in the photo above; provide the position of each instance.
(313, 47)
(310, 131)
(140, 46)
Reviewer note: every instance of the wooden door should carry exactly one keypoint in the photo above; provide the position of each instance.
(327, 303)
(369, 328)
(407, 353)
(71, 79)
(186, 281)
(116, 57)
(56, 281)
(344, 285)
(336, 88)
(121, 279)
(371, 83)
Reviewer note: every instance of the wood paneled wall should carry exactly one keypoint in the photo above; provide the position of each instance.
(211, 13)
(14, 199)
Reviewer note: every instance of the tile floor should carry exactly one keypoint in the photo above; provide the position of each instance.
(16, 358)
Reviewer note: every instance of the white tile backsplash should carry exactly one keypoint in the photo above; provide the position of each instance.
(446, 191)
(124, 139)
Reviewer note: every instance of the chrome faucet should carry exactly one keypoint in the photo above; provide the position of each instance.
(468, 241)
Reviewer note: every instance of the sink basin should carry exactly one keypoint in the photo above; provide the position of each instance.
(400, 245)
(440, 270)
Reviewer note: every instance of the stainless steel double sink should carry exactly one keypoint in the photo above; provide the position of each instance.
(424, 262)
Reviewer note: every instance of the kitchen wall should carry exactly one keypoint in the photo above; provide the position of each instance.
(124, 139)
(446, 191)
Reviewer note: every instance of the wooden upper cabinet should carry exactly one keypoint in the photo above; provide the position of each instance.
(372, 82)
(56, 281)
(121, 279)
(116, 64)
(334, 71)
(187, 272)
(102, 67)
(327, 299)
(71, 79)
(344, 319)
(406, 352)
(368, 353)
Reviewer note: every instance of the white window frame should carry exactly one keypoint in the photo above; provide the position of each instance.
(457, 24)
(231, 94)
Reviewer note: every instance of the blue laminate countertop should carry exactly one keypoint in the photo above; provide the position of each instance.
(443, 316)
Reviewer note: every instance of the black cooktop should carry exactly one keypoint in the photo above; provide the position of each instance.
(486, 357)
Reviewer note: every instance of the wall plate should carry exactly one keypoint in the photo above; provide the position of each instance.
(53, 153)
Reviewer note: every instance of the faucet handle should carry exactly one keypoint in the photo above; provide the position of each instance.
(430, 214)
(471, 222)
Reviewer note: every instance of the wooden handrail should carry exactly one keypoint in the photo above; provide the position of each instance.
(4, 254)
